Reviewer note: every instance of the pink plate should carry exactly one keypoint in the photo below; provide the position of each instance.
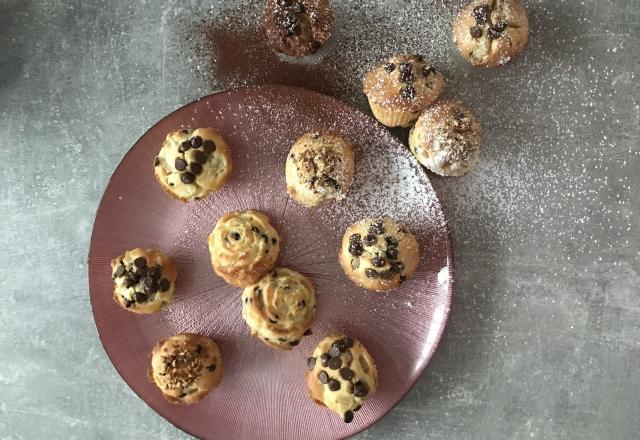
(262, 394)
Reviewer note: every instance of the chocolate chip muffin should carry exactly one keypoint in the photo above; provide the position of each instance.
(144, 280)
(193, 163)
(298, 27)
(319, 168)
(446, 139)
(279, 308)
(400, 88)
(186, 367)
(490, 33)
(244, 247)
(341, 375)
(378, 254)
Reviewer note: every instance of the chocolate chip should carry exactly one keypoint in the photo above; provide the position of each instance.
(209, 146)
(128, 303)
(378, 261)
(140, 297)
(405, 68)
(274, 241)
(200, 157)
(155, 272)
(311, 363)
(264, 237)
(360, 389)
(389, 67)
(370, 240)
(386, 275)
(294, 343)
(397, 267)
(196, 168)
(348, 417)
(392, 253)
(198, 349)
(324, 359)
(140, 262)
(340, 345)
(363, 363)
(156, 161)
(184, 147)
(402, 279)
(235, 236)
(355, 238)
(187, 178)
(408, 92)
(475, 31)
(211, 367)
(196, 141)
(323, 377)
(346, 373)
(141, 271)
(494, 33)
(356, 249)
(500, 26)
(370, 273)
(357, 408)
(391, 241)
(334, 352)
(481, 13)
(376, 228)
(164, 285)
(298, 8)
(335, 363)
(120, 271)
(128, 282)
(180, 164)
(151, 287)
(333, 385)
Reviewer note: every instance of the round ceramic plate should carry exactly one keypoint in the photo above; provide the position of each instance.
(262, 394)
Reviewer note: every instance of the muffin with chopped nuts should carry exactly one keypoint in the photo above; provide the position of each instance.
(400, 88)
(341, 375)
(186, 367)
(490, 33)
(446, 139)
(298, 27)
(378, 254)
(319, 168)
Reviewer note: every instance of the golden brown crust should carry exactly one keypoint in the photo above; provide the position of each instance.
(446, 139)
(378, 254)
(143, 288)
(319, 168)
(280, 308)
(211, 157)
(298, 27)
(490, 33)
(348, 382)
(244, 247)
(186, 367)
(400, 87)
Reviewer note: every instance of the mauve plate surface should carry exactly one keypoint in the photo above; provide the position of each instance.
(262, 394)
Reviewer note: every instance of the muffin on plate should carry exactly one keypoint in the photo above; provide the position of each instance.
(341, 375)
(298, 27)
(446, 139)
(490, 33)
(319, 168)
(144, 280)
(280, 308)
(400, 88)
(378, 254)
(193, 163)
(186, 367)
(244, 247)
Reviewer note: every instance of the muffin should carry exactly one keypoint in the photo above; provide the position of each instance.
(193, 163)
(244, 247)
(341, 375)
(298, 27)
(144, 280)
(186, 367)
(280, 308)
(378, 254)
(490, 33)
(400, 88)
(446, 139)
(319, 168)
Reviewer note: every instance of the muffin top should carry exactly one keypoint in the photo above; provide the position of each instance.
(405, 82)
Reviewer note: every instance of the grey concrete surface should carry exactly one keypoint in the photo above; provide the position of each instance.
(543, 341)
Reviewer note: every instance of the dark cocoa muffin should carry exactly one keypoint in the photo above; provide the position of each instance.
(298, 27)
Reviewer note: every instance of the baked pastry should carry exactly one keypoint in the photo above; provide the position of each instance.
(400, 88)
(186, 367)
(377, 254)
(279, 308)
(298, 27)
(446, 139)
(193, 163)
(341, 375)
(490, 33)
(319, 168)
(244, 247)
(144, 280)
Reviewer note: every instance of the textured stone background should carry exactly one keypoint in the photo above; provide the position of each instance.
(544, 336)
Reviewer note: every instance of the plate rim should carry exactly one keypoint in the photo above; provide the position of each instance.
(265, 87)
